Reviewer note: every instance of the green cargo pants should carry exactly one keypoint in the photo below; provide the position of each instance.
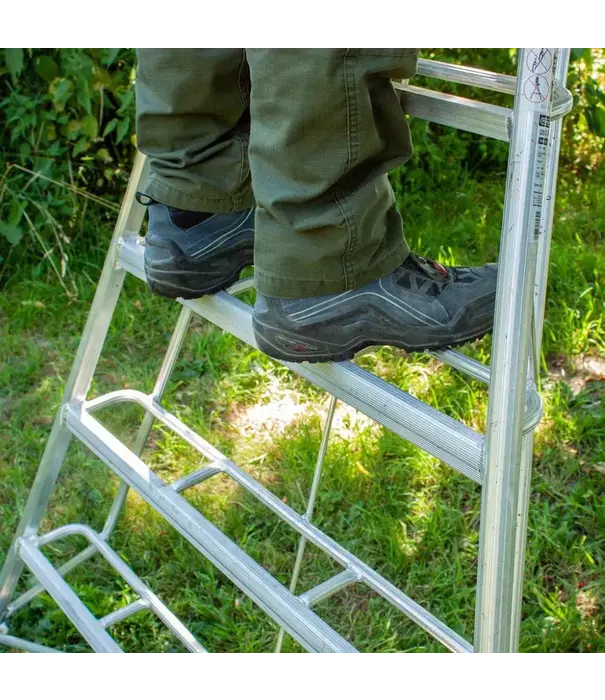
(306, 135)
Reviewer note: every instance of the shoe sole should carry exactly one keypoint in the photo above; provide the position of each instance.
(171, 275)
(349, 353)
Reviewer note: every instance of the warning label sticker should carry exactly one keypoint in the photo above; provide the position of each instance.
(537, 86)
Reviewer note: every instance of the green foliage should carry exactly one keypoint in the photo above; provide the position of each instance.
(66, 118)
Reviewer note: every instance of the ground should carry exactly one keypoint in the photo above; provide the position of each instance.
(400, 510)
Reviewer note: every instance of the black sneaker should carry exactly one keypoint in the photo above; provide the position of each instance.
(420, 306)
(189, 254)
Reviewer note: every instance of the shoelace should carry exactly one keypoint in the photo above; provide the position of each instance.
(431, 268)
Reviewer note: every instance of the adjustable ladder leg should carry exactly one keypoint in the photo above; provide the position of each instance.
(93, 337)
(321, 455)
(541, 280)
(508, 453)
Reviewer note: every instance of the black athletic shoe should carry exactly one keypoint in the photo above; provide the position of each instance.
(189, 254)
(420, 306)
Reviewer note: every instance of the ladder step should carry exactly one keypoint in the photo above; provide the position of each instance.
(211, 541)
(304, 625)
(121, 614)
(85, 622)
(328, 588)
(25, 645)
(189, 480)
(148, 598)
(467, 75)
(458, 112)
(447, 439)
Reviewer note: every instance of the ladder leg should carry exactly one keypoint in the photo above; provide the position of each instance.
(539, 304)
(503, 488)
(168, 363)
(93, 337)
(310, 505)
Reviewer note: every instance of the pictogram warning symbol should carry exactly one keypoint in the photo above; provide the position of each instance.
(536, 88)
(539, 61)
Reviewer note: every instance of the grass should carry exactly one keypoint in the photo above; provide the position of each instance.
(399, 509)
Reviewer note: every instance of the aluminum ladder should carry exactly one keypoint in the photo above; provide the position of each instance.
(500, 460)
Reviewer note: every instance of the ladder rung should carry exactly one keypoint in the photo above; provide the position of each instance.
(121, 614)
(458, 112)
(328, 588)
(470, 115)
(447, 439)
(85, 622)
(285, 608)
(25, 645)
(196, 477)
(456, 360)
(133, 471)
(137, 584)
(467, 75)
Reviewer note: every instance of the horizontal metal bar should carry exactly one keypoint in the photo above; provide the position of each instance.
(467, 75)
(447, 439)
(463, 363)
(300, 622)
(137, 584)
(38, 588)
(241, 286)
(328, 588)
(363, 572)
(122, 613)
(458, 112)
(534, 406)
(18, 643)
(81, 617)
(470, 115)
(189, 480)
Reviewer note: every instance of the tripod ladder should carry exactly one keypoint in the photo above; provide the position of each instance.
(499, 460)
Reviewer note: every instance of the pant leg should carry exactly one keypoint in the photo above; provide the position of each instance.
(326, 127)
(193, 122)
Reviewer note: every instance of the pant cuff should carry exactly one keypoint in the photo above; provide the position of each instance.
(291, 288)
(166, 193)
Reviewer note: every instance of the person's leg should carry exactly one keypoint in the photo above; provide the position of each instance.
(333, 272)
(193, 123)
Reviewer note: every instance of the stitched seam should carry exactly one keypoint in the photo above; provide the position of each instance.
(352, 139)
(347, 264)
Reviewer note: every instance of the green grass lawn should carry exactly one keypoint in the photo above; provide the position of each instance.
(403, 512)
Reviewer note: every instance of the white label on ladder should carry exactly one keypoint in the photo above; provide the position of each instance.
(538, 86)
(537, 94)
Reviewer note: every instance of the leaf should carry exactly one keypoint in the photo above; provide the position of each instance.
(123, 128)
(577, 54)
(595, 118)
(83, 96)
(15, 212)
(110, 56)
(80, 146)
(14, 61)
(110, 127)
(103, 155)
(46, 68)
(11, 232)
(90, 126)
(61, 90)
(599, 119)
(73, 128)
(126, 101)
